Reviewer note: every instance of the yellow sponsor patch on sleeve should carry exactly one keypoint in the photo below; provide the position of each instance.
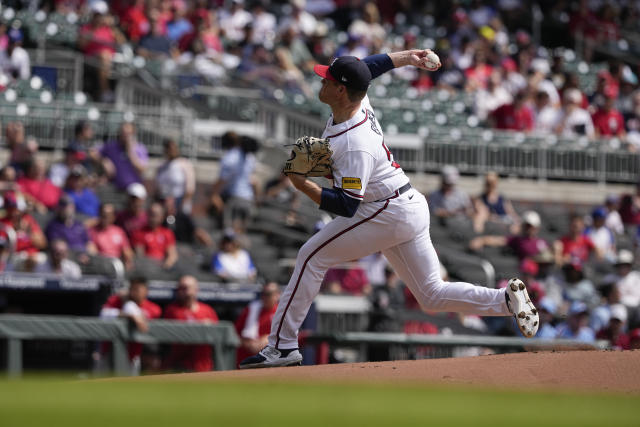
(351, 183)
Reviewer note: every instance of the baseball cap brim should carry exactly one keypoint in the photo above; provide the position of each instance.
(323, 71)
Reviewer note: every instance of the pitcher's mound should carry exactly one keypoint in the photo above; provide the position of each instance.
(583, 370)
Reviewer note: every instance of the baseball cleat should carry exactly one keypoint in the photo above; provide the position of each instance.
(270, 357)
(523, 310)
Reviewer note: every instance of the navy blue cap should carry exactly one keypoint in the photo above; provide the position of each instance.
(347, 70)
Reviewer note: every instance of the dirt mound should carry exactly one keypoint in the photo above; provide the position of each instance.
(574, 370)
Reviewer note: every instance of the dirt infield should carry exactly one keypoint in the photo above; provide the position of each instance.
(574, 370)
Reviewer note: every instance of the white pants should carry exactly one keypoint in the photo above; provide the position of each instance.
(398, 227)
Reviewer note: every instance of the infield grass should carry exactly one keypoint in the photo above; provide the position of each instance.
(52, 403)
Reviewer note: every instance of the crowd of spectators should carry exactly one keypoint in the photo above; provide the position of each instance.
(488, 50)
(584, 271)
(100, 203)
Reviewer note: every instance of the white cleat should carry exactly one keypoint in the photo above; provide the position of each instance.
(270, 357)
(523, 310)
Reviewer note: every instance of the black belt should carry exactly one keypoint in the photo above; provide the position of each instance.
(398, 192)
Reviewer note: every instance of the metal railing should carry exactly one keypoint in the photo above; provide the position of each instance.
(18, 328)
(424, 346)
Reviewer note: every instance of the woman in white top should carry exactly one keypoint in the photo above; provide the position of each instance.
(176, 178)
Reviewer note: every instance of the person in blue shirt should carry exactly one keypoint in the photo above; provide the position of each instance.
(576, 326)
(233, 194)
(86, 201)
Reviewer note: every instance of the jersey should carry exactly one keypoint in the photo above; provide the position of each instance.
(363, 166)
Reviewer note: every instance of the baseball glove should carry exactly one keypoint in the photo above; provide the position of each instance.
(310, 156)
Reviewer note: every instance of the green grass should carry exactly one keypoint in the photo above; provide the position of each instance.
(131, 403)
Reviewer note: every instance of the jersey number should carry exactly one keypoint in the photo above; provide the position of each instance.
(390, 156)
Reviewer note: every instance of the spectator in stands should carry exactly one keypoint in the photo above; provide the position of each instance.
(66, 227)
(183, 226)
(575, 327)
(99, 39)
(577, 287)
(109, 240)
(233, 194)
(489, 99)
(369, 28)
(179, 26)
(187, 308)
(546, 115)
(348, 279)
(478, 73)
(22, 149)
(613, 220)
(86, 201)
(84, 146)
(37, 188)
(134, 215)
(125, 159)
(387, 300)
(575, 121)
(233, 263)
(615, 331)
(58, 262)
(302, 21)
(156, 45)
(264, 24)
(547, 309)
(59, 171)
(29, 237)
(601, 236)
(527, 244)
(134, 306)
(630, 207)
(254, 323)
(176, 178)
(492, 206)
(601, 314)
(550, 280)
(155, 241)
(627, 280)
(134, 21)
(514, 116)
(15, 60)
(298, 50)
(449, 200)
(234, 21)
(576, 244)
(607, 120)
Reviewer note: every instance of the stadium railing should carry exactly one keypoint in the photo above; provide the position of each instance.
(422, 346)
(18, 328)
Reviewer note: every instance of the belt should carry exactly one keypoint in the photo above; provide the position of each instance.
(398, 192)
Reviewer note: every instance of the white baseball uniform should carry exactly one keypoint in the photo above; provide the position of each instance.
(387, 220)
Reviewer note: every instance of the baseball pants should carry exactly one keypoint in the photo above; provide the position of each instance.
(399, 228)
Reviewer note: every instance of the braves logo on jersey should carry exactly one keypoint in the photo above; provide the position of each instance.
(372, 119)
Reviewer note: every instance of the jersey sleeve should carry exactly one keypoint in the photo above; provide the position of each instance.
(351, 172)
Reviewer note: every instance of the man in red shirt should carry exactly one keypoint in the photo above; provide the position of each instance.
(109, 240)
(29, 236)
(135, 306)
(187, 308)
(254, 323)
(575, 244)
(517, 116)
(156, 241)
(38, 188)
(608, 121)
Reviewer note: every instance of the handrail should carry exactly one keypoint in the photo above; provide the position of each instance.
(16, 328)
